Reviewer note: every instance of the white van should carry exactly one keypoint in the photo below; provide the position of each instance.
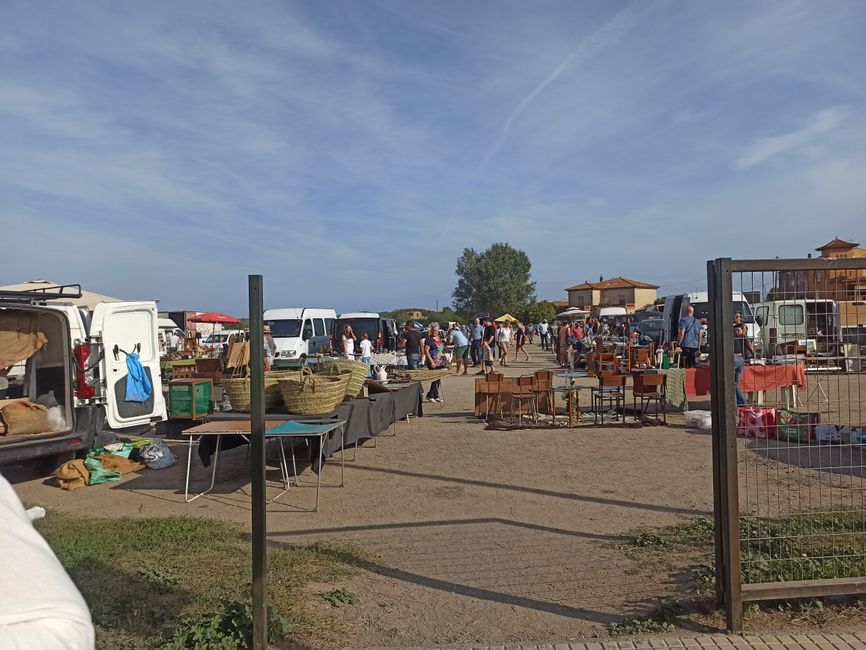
(83, 365)
(792, 320)
(299, 332)
(165, 328)
(675, 308)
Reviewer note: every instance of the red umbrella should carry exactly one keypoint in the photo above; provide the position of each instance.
(213, 317)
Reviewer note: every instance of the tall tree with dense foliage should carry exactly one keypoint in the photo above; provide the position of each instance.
(495, 280)
(539, 311)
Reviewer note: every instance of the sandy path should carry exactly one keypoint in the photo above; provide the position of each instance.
(475, 535)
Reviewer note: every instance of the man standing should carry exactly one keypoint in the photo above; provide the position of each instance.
(477, 334)
(411, 341)
(689, 339)
(488, 341)
(461, 348)
(542, 334)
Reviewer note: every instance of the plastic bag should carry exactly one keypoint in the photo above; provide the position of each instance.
(138, 384)
(56, 419)
(157, 455)
(98, 474)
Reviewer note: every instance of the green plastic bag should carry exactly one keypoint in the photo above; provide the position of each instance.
(98, 474)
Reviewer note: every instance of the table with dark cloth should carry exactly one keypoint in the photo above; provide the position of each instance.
(408, 396)
(364, 417)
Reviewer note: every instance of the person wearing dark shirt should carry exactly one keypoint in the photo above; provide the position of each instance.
(487, 344)
(411, 340)
(743, 351)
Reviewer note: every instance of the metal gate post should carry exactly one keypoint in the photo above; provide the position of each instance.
(724, 409)
(257, 439)
(718, 486)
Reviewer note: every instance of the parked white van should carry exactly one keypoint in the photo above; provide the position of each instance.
(81, 365)
(675, 308)
(792, 320)
(299, 332)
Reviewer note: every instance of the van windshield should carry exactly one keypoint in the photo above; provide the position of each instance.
(287, 328)
(702, 310)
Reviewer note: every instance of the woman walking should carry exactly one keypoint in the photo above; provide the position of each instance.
(520, 338)
(504, 342)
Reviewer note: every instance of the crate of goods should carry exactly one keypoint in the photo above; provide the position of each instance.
(189, 399)
(756, 422)
(796, 427)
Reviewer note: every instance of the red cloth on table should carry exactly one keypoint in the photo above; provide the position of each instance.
(754, 378)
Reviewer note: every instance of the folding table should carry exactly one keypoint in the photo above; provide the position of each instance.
(279, 430)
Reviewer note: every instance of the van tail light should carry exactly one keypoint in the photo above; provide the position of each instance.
(85, 379)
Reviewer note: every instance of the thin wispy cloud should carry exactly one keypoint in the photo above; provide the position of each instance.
(769, 147)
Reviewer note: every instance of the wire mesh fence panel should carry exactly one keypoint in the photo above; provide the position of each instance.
(799, 345)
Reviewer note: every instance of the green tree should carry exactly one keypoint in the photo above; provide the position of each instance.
(539, 311)
(496, 280)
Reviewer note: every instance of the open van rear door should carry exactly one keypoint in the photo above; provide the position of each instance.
(124, 327)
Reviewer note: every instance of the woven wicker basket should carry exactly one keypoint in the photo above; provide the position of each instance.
(309, 394)
(357, 369)
(238, 390)
(422, 374)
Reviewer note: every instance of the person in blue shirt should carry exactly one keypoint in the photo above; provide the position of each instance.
(461, 348)
(689, 339)
(477, 334)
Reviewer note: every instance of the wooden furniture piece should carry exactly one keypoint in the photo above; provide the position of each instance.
(487, 395)
(610, 390)
(189, 399)
(648, 388)
(524, 397)
(544, 395)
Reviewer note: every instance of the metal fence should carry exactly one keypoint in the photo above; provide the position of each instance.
(787, 352)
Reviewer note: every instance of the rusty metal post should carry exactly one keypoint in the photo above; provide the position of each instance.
(257, 465)
(725, 434)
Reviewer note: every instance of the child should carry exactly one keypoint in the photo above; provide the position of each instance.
(366, 351)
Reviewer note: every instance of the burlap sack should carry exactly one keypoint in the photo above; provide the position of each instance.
(72, 475)
(21, 417)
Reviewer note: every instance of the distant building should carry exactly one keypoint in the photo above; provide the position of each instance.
(615, 292)
(839, 285)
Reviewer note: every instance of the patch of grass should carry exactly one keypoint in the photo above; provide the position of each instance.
(661, 619)
(143, 579)
(646, 539)
(340, 597)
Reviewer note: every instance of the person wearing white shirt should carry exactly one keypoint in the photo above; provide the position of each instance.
(40, 606)
(504, 336)
(349, 339)
(366, 351)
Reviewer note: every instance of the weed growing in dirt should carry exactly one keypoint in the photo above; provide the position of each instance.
(146, 580)
(662, 619)
(340, 597)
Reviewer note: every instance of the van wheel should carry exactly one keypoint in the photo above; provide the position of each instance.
(303, 360)
(46, 465)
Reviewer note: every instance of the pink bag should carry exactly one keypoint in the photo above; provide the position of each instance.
(756, 422)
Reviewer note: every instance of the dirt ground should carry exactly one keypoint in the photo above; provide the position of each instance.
(474, 535)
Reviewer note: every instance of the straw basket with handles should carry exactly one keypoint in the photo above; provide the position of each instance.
(313, 394)
(238, 390)
(334, 367)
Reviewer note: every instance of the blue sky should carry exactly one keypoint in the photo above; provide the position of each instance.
(349, 151)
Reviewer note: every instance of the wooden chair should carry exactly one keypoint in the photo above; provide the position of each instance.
(606, 362)
(489, 387)
(610, 389)
(544, 396)
(507, 387)
(524, 396)
(650, 388)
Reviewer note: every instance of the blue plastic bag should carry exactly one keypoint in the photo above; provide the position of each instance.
(138, 385)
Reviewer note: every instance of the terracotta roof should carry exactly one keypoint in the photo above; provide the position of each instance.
(560, 303)
(837, 244)
(613, 283)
